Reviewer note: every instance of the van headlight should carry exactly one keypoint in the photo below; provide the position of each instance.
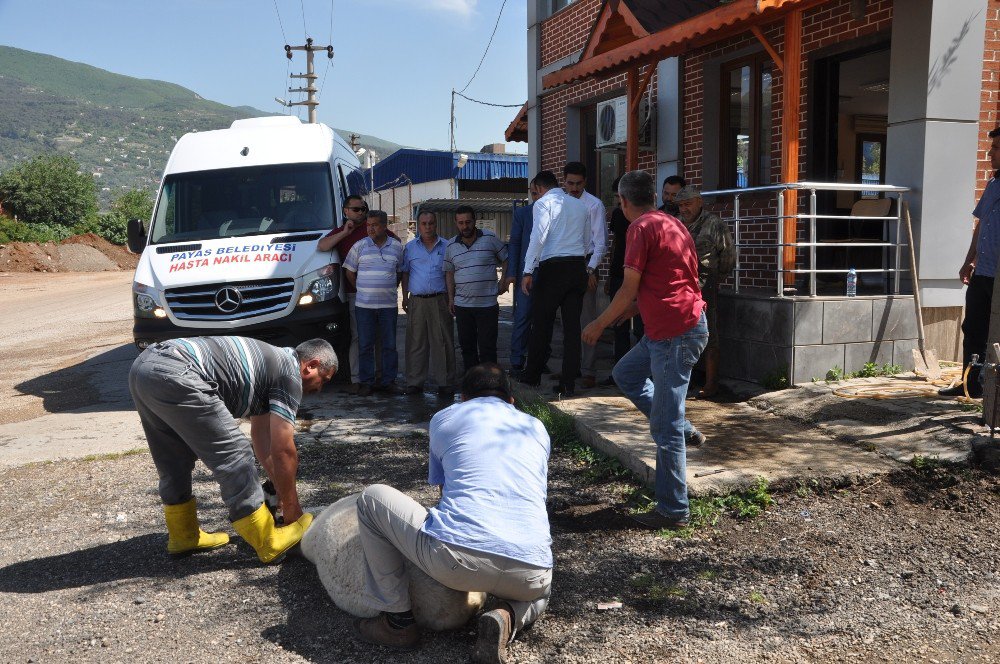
(146, 303)
(322, 285)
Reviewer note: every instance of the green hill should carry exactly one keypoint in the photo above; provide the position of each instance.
(117, 127)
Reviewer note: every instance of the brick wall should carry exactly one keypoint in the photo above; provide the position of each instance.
(989, 112)
(566, 33)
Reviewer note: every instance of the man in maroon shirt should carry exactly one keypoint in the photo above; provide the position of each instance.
(661, 272)
(342, 239)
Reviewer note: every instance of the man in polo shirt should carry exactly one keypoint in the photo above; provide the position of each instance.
(373, 267)
(489, 532)
(575, 184)
(430, 332)
(661, 270)
(470, 270)
(342, 239)
(556, 260)
(189, 394)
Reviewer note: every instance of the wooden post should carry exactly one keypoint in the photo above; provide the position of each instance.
(632, 144)
(792, 86)
(634, 89)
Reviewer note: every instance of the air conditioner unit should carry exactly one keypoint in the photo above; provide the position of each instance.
(612, 123)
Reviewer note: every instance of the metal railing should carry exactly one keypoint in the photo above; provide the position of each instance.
(738, 220)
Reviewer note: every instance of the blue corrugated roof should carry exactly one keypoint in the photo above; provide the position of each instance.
(430, 165)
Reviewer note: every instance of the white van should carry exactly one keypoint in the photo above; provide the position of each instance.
(231, 247)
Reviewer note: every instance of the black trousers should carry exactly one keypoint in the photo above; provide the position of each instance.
(976, 324)
(477, 334)
(634, 325)
(558, 285)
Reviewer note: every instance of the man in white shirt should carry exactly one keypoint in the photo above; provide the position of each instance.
(555, 268)
(575, 184)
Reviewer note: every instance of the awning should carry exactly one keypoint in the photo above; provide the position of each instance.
(517, 130)
(478, 204)
(611, 51)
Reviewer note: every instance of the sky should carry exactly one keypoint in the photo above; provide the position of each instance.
(395, 61)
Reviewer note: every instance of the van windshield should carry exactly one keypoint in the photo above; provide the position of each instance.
(208, 205)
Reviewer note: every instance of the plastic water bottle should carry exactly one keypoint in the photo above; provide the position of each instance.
(852, 283)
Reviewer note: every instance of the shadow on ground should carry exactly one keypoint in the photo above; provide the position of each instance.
(99, 383)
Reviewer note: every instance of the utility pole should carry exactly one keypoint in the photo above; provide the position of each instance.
(310, 75)
(451, 126)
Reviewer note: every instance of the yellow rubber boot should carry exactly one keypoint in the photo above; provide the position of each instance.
(186, 536)
(268, 540)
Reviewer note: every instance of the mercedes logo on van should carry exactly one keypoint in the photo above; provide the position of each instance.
(228, 300)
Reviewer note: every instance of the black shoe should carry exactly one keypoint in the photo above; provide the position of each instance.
(546, 370)
(564, 390)
(975, 391)
(364, 390)
(608, 382)
(533, 381)
(656, 521)
(697, 439)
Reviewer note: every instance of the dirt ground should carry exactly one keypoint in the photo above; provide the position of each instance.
(80, 253)
(903, 568)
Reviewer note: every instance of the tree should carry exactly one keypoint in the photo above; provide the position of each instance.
(135, 204)
(49, 189)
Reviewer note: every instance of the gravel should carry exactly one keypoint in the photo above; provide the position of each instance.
(903, 568)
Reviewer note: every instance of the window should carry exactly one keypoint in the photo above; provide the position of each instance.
(559, 4)
(746, 122)
(870, 168)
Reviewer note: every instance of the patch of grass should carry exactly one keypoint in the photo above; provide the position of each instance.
(757, 598)
(805, 489)
(708, 575)
(562, 433)
(776, 379)
(706, 511)
(655, 592)
(867, 370)
(109, 456)
(972, 407)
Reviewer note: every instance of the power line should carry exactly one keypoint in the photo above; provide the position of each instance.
(495, 26)
(305, 30)
(487, 103)
(280, 24)
(322, 86)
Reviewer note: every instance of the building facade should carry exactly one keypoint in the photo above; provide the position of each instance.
(747, 94)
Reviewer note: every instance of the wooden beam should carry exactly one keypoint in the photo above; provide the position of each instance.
(779, 62)
(632, 138)
(791, 89)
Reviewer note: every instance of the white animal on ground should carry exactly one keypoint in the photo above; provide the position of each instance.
(333, 544)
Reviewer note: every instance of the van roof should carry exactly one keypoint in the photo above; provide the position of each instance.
(277, 139)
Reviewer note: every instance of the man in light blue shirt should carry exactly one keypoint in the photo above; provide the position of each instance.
(430, 333)
(556, 257)
(488, 533)
(372, 266)
(978, 273)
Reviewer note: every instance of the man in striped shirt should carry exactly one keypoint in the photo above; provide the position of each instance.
(372, 267)
(189, 394)
(470, 270)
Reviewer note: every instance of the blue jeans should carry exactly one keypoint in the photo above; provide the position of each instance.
(661, 399)
(374, 323)
(521, 328)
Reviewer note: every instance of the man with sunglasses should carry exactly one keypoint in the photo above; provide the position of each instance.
(342, 239)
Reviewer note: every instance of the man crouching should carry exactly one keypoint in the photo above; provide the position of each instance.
(189, 394)
(488, 533)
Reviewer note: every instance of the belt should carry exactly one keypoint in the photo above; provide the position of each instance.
(427, 295)
(562, 259)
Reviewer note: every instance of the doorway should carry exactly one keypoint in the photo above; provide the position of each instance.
(847, 144)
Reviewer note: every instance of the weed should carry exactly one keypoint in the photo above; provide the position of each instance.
(562, 432)
(757, 598)
(708, 575)
(867, 370)
(925, 465)
(776, 379)
(110, 456)
(972, 407)
(834, 374)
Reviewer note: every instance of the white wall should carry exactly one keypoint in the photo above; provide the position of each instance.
(406, 197)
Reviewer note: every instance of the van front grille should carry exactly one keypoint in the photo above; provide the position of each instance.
(230, 301)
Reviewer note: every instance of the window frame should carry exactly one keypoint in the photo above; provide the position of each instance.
(758, 62)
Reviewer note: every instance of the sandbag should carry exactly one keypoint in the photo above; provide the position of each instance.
(333, 544)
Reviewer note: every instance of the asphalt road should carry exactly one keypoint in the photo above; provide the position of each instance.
(65, 349)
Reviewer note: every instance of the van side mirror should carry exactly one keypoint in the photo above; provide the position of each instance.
(136, 236)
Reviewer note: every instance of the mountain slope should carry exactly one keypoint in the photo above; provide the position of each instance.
(117, 127)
